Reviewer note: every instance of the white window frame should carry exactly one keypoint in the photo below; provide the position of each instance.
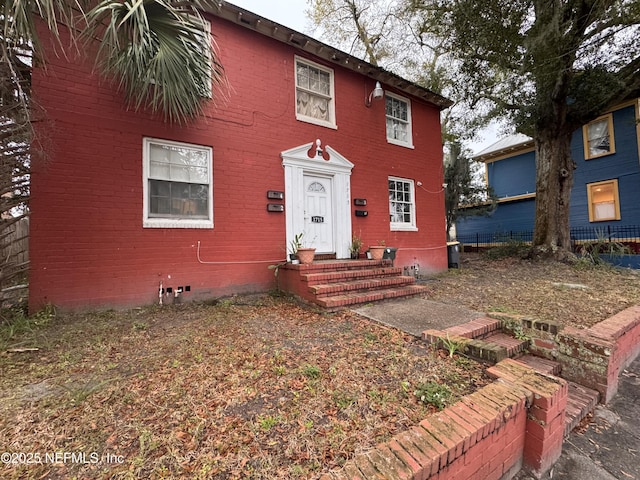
(173, 222)
(404, 226)
(331, 123)
(390, 139)
(208, 93)
(208, 88)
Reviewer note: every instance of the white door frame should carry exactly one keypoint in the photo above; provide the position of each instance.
(297, 163)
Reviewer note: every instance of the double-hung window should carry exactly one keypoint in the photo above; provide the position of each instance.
(178, 184)
(398, 110)
(598, 137)
(402, 207)
(314, 94)
(604, 201)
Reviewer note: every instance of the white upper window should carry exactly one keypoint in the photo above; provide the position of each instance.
(314, 94)
(398, 120)
(177, 185)
(402, 207)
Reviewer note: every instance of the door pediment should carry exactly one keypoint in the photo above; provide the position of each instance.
(299, 156)
(326, 163)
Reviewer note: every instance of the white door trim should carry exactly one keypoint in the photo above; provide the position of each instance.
(297, 163)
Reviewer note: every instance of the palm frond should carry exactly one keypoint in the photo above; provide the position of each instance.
(18, 19)
(160, 55)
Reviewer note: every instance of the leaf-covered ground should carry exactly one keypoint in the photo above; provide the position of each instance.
(252, 387)
(578, 295)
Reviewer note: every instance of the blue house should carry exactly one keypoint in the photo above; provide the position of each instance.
(606, 192)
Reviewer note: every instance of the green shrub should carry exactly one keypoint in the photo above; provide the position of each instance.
(433, 393)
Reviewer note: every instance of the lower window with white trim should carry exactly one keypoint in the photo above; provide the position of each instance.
(177, 185)
(402, 207)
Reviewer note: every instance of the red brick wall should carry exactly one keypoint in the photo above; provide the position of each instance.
(490, 434)
(88, 247)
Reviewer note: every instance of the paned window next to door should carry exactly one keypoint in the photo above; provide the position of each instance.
(402, 208)
(177, 185)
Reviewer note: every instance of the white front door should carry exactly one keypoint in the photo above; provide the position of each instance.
(318, 198)
(318, 213)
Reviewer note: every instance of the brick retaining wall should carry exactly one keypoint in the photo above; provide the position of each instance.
(593, 357)
(488, 435)
(515, 422)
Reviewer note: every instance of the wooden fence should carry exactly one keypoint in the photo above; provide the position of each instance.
(14, 262)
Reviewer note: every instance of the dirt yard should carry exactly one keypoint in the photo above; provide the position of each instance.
(577, 295)
(252, 386)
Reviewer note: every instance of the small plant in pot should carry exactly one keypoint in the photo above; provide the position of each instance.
(377, 251)
(294, 246)
(302, 253)
(355, 247)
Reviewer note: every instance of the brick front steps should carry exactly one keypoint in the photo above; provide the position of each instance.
(487, 342)
(518, 421)
(340, 283)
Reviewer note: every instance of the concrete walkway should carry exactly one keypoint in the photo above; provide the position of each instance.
(415, 315)
(609, 449)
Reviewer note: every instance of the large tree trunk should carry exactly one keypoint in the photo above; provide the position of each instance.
(554, 180)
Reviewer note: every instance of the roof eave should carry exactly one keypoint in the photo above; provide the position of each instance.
(269, 28)
(520, 147)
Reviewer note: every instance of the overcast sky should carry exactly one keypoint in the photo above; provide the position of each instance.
(289, 13)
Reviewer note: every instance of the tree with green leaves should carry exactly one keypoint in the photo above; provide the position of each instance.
(548, 67)
(158, 53)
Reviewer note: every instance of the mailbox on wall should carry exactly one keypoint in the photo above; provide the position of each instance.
(275, 195)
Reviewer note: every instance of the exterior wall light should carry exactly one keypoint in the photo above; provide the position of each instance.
(377, 92)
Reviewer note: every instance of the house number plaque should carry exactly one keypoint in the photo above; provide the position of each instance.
(317, 219)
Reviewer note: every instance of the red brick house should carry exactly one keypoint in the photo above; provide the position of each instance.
(126, 207)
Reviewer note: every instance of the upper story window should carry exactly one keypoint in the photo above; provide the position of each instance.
(402, 207)
(399, 120)
(314, 94)
(205, 38)
(598, 137)
(177, 185)
(604, 201)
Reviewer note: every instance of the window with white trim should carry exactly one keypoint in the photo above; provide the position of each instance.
(314, 93)
(402, 208)
(398, 120)
(203, 46)
(206, 90)
(598, 137)
(604, 201)
(177, 185)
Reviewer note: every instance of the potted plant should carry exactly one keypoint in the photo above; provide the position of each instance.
(304, 254)
(377, 251)
(355, 247)
(294, 246)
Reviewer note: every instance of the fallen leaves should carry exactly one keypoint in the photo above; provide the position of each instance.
(266, 389)
(540, 289)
